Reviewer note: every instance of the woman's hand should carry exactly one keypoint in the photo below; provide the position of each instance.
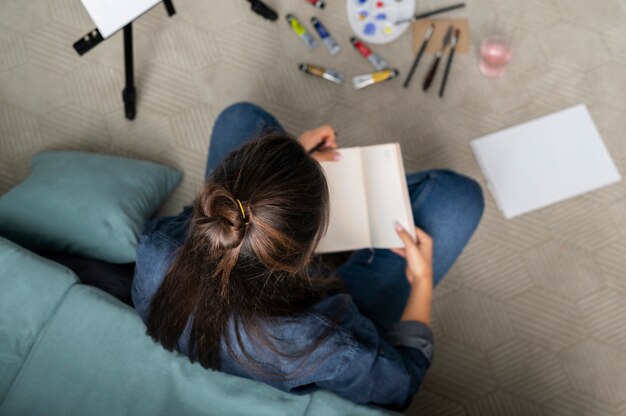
(311, 138)
(418, 255)
(419, 272)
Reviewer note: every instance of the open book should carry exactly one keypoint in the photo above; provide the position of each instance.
(368, 195)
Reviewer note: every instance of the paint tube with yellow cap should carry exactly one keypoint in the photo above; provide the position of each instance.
(362, 81)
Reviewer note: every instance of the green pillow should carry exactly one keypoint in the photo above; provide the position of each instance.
(86, 204)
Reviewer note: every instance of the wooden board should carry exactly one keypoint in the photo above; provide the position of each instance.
(441, 26)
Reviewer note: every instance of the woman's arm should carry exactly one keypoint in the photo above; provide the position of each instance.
(384, 371)
(389, 372)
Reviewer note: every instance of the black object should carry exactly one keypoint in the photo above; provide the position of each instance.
(263, 9)
(317, 147)
(431, 13)
(128, 94)
(115, 279)
(88, 41)
(169, 6)
(427, 36)
(453, 43)
(84, 44)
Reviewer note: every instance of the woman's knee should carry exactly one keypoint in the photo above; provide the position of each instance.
(465, 192)
(450, 192)
(240, 110)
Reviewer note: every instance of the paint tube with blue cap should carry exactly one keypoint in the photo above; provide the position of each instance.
(330, 42)
(301, 31)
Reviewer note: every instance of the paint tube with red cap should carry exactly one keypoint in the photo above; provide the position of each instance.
(317, 3)
(378, 62)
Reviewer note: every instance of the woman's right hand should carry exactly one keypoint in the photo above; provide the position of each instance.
(418, 254)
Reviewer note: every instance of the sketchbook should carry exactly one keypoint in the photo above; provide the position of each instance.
(368, 195)
(545, 161)
(112, 15)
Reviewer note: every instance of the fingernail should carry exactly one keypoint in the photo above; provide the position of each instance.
(399, 227)
(337, 156)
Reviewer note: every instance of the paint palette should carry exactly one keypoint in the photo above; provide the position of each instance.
(374, 20)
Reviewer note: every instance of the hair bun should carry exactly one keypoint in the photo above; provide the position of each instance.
(218, 218)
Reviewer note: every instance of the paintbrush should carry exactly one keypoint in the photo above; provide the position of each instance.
(453, 43)
(438, 55)
(431, 13)
(427, 36)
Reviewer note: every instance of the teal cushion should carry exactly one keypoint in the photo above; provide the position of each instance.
(95, 359)
(31, 288)
(84, 203)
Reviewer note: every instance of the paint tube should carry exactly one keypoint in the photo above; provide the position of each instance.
(378, 62)
(326, 73)
(330, 42)
(301, 31)
(317, 3)
(362, 81)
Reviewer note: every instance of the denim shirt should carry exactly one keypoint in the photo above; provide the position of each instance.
(355, 361)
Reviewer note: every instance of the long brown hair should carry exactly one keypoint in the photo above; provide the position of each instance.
(255, 224)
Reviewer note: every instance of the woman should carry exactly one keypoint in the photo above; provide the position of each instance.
(230, 281)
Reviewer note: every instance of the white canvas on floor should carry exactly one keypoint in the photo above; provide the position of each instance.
(544, 161)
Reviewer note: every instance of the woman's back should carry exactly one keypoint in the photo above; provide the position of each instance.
(226, 281)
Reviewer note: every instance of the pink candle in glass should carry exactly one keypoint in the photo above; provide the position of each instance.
(495, 54)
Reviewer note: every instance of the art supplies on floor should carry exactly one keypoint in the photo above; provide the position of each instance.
(438, 37)
(368, 195)
(545, 161)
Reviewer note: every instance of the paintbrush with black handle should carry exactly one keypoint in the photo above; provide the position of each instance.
(430, 13)
(453, 42)
(433, 68)
(427, 36)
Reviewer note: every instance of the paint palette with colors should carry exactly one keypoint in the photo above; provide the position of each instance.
(374, 20)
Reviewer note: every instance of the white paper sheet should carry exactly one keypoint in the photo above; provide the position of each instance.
(545, 161)
(112, 15)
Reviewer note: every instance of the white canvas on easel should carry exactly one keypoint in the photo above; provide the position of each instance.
(544, 161)
(112, 15)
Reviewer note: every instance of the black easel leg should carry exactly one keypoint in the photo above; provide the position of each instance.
(128, 94)
(169, 6)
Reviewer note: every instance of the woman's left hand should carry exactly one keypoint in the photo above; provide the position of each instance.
(311, 138)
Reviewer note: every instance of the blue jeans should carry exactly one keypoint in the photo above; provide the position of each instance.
(446, 205)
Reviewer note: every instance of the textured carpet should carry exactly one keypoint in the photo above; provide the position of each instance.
(530, 320)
